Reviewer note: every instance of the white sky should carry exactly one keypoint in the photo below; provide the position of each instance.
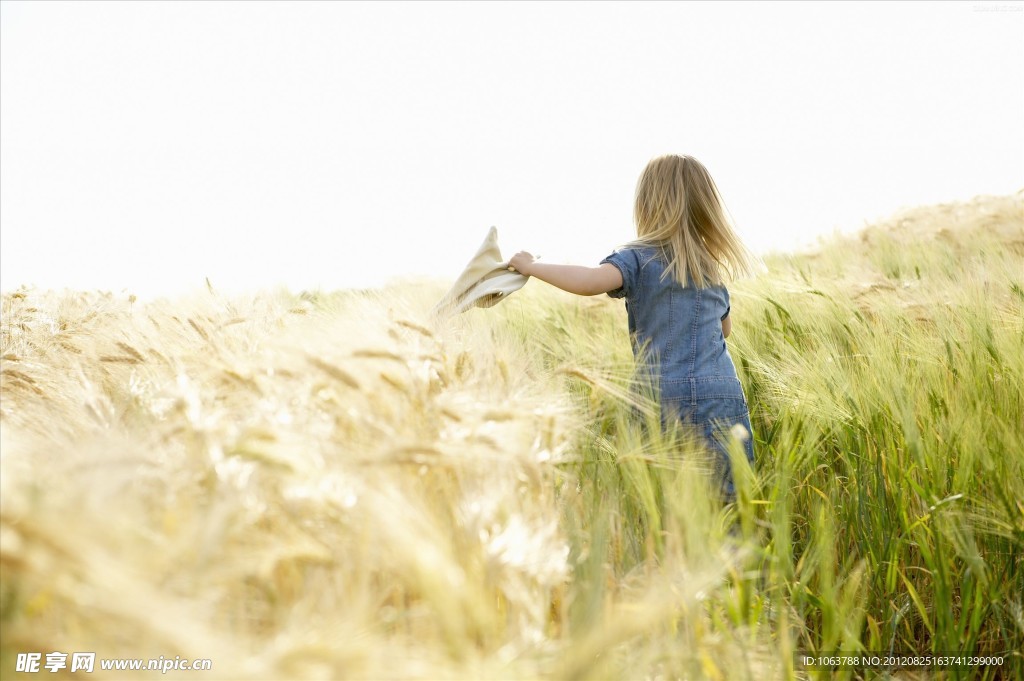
(145, 146)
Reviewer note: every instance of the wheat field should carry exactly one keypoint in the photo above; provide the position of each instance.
(332, 485)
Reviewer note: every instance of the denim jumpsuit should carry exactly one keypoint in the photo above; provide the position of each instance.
(677, 331)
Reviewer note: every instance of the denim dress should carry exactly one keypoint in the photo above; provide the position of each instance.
(676, 332)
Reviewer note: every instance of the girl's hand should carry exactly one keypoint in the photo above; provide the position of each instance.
(521, 262)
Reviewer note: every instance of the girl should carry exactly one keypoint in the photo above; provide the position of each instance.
(672, 277)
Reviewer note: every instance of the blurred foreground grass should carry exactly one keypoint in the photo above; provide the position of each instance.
(330, 486)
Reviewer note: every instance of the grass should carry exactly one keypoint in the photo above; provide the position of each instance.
(332, 485)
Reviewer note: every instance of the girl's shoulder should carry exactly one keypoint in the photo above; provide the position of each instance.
(639, 255)
(630, 260)
(643, 268)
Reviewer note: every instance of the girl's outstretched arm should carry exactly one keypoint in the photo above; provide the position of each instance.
(584, 281)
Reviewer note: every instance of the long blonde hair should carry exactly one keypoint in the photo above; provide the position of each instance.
(679, 209)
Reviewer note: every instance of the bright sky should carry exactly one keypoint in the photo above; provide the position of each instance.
(145, 146)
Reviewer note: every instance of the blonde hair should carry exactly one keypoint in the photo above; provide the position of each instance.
(679, 209)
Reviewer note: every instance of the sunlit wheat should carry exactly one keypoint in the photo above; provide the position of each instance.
(337, 486)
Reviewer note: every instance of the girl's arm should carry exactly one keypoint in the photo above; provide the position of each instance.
(727, 326)
(584, 281)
